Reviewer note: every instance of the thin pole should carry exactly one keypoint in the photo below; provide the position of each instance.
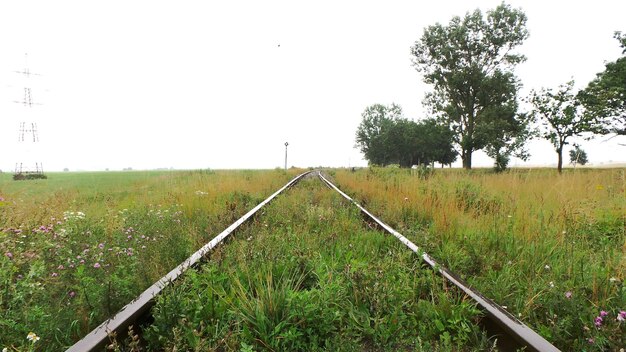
(286, 144)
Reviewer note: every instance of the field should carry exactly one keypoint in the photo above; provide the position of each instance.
(308, 273)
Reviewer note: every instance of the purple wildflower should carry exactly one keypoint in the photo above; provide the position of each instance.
(603, 313)
(1, 199)
(597, 322)
(9, 255)
(82, 261)
(568, 294)
(101, 245)
(54, 274)
(61, 267)
(97, 265)
(621, 316)
(590, 340)
(71, 294)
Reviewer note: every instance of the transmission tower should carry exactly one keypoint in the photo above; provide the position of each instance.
(27, 133)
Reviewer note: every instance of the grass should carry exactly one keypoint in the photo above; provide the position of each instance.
(78, 246)
(308, 274)
(549, 247)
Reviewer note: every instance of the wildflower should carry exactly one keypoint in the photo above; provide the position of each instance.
(1, 200)
(54, 274)
(603, 313)
(568, 294)
(32, 337)
(590, 341)
(613, 279)
(71, 294)
(551, 284)
(97, 265)
(547, 267)
(82, 261)
(9, 255)
(61, 267)
(19, 277)
(598, 322)
(4, 349)
(621, 316)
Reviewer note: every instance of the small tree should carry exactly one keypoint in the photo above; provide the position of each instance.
(577, 156)
(561, 117)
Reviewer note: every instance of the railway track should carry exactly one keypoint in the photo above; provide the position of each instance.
(511, 333)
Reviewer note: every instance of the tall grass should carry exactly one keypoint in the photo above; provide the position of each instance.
(549, 247)
(78, 246)
(310, 275)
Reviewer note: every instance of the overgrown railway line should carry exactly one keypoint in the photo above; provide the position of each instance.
(510, 332)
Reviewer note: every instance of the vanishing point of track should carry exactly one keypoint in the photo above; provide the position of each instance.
(510, 331)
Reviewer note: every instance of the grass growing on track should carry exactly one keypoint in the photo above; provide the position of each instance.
(306, 275)
(77, 247)
(549, 247)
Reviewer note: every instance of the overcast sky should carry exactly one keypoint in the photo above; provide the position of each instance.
(223, 84)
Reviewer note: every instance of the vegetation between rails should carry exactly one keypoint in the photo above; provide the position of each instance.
(309, 275)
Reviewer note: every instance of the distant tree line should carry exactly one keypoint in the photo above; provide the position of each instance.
(474, 104)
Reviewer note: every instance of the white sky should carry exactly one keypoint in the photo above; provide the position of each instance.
(196, 84)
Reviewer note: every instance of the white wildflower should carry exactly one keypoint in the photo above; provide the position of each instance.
(32, 337)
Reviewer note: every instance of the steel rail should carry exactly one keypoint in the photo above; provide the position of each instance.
(98, 337)
(522, 334)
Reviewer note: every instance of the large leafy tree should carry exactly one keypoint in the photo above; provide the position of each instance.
(470, 63)
(373, 134)
(385, 137)
(605, 96)
(561, 116)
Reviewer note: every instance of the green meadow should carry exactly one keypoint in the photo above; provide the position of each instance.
(307, 273)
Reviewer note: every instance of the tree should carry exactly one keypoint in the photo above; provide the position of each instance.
(385, 137)
(434, 143)
(509, 141)
(577, 156)
(373, 132)
(470, 63)
(605, 96)
(561, 117)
